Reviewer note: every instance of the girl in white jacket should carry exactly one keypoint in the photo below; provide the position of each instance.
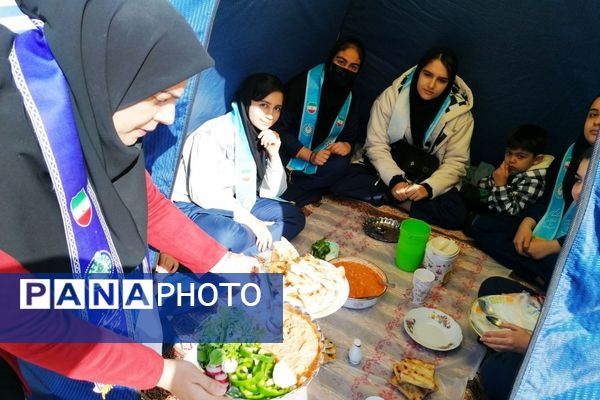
(230, 174)
(429, 108)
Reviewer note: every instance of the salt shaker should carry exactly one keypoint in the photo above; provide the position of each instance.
(355, 352)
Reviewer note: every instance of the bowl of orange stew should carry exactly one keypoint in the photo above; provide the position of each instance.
(367, 281)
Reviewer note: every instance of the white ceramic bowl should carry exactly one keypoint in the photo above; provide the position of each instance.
(366, 302)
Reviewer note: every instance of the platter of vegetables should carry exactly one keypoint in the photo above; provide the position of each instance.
(251, 372)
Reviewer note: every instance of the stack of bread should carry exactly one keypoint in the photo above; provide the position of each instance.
(414, 378)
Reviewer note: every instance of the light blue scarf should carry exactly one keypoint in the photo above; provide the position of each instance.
(314, 83)
(554, 224)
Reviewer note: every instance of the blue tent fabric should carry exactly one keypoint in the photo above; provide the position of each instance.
(563, 359)
(162, 148)
(526, 61)
(282, 37)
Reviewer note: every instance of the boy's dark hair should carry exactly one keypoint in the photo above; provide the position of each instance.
(529, 137)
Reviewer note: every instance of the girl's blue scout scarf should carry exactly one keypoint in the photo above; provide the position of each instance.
(554, 224)
(399, 123)
(314, 83)
(245, 165)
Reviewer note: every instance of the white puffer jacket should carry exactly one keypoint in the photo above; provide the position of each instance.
(450, 140)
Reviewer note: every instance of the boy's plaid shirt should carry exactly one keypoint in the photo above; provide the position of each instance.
(521, 190)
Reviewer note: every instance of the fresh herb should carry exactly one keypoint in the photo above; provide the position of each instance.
(321, 248)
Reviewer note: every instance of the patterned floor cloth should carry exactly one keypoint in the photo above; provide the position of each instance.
(380, 328)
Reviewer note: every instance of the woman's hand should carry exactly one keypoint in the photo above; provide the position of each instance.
(540, 248)
(416, 192)
(270, 140)
(512, 338)
(523, 236)
(403, 191)
(399, 191)
(264, 239)
(320, 157)
(340, 148)
(166, 264)
(187, 382)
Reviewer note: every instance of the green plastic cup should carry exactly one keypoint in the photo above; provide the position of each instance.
(412, 241)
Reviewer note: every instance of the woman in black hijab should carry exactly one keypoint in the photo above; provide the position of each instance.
(121, 60)
(318, 128)
(418, 138)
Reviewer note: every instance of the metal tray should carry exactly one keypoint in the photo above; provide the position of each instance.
(382, 228)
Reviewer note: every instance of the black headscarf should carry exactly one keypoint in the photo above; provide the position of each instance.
(337, 84)
(422, 112)
(256, 87)
(113, 53)
(581, 145)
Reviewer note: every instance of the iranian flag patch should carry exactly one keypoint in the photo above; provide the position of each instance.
(311, 108)
(81, 208)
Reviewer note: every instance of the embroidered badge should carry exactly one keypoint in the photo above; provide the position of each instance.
(103, 389)
(81, 208)
(340, 122)
(311, 108)
(307, 129)
(101, 263)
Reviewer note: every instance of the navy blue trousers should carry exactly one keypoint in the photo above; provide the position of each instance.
(494, 235)
(288, 221)
(305, 189)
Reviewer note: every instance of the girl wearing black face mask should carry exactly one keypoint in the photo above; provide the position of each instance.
(318, 126)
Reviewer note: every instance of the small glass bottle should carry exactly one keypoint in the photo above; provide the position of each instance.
(355, 352)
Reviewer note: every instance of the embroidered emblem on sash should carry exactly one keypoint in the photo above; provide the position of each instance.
(311, 108)
(101, 263)
(340, 122)
(308, 129)
(81, 208)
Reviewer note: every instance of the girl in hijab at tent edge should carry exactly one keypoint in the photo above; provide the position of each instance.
(115, 71)
(529, 243)
(499, 368)
(429, 107)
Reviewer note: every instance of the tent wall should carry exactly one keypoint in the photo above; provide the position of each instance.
(282, 37)
(526, 61)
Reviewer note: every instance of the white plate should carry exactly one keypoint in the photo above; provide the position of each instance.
(520, 309)
(433, 329)
(324, 277)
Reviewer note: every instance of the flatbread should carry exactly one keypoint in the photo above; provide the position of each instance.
(411, 392)
(302, 346)
(416, 372)
(308, 282)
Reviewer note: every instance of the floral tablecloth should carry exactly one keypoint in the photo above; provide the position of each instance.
(380, 328)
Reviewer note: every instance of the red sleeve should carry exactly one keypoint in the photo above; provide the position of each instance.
(172, 232)
(127, 364)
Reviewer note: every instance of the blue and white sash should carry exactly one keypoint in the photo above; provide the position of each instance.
(47, 102)
(400, 120)
(554, 224)
(245, 166)
(314, 83)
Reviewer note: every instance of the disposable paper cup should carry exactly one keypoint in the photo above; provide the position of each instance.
(440, 254)
(423, 280)
(410, 250)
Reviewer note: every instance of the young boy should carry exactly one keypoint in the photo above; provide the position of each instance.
(520, 178)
